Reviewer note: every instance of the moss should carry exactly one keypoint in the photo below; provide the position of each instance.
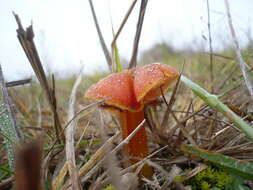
(209, 178)
(109, 187)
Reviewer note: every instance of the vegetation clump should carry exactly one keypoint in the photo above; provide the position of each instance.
(210, 178)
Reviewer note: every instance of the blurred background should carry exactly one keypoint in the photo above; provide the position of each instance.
(66, 37)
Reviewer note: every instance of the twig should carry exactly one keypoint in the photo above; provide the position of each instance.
(70, 131)
(102, 42)
(133, 61)
(210, 46)
(237, 51)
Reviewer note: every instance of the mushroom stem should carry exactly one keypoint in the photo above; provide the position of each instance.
(137, 148)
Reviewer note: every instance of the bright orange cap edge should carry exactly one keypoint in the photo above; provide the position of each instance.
(117, 90)
(150, 78)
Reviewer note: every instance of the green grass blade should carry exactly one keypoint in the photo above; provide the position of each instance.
(117, 67)
(214, 102)
(228, 164)
(117, 58)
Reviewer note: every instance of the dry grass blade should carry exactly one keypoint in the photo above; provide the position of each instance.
(219, 55)
(123, 23)
(18, 82)
(230, 76)
(6, 183)
(133, 61)
(189, 116)
(130, 168)
(116, 65)
(194, 171)
(110, 162)
(28, 169)
(169, 176)
(210, 46)
(137, 164)
(237, 51)
(95, 158)
(102, 41)
(26, 40)
(185, 133)
(57, 182)
(128, 138)
(130, 181)
(39, 120)
(116, 149)
(70, 132)
(170, 104)
(77, 114)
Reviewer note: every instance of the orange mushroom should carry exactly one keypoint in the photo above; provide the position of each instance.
(127, 92)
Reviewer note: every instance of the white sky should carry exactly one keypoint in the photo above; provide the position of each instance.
(66, 37)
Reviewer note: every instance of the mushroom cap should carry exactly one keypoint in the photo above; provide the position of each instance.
(131, 89)
(116, 90)
(150, 79)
